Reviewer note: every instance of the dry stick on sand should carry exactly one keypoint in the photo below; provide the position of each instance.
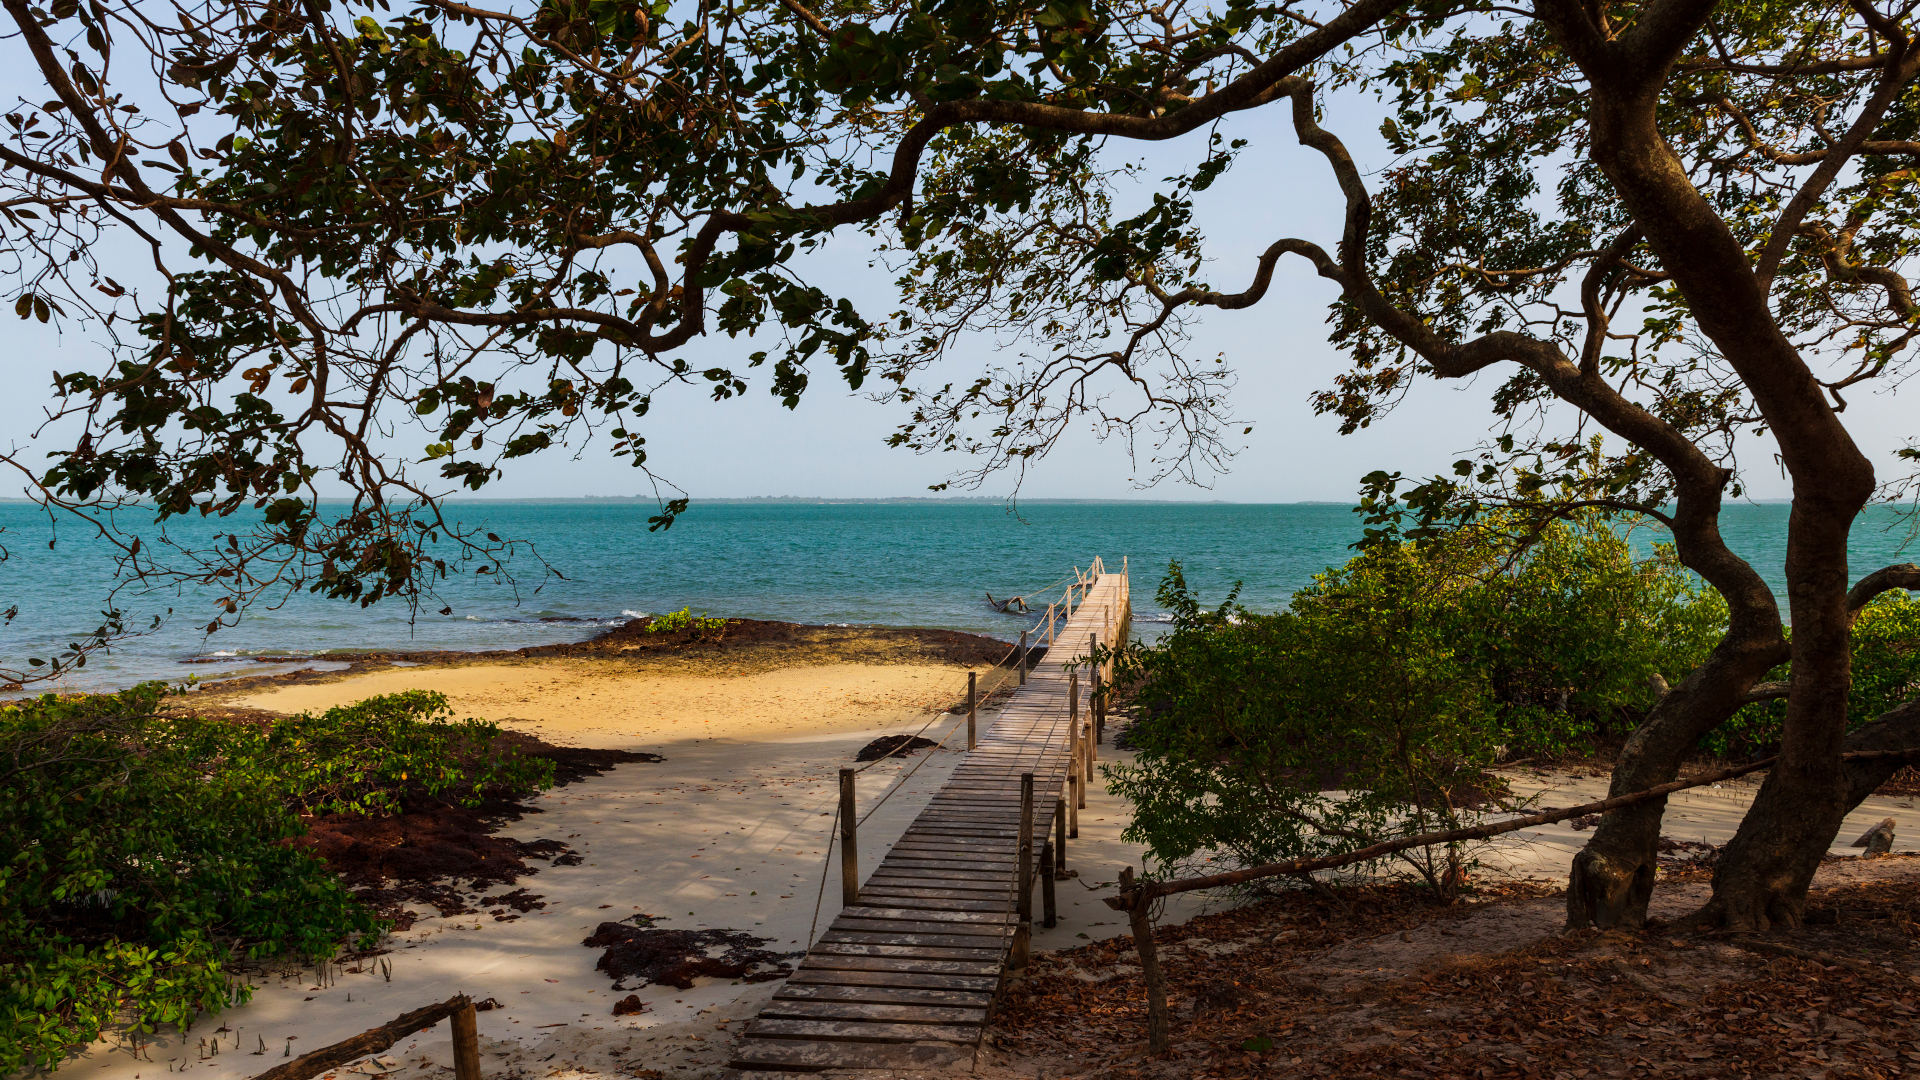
(377, 1039)
(1136, 899)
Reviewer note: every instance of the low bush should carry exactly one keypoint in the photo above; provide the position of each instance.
(143, 854)
(685, 619)
(1375, 705)
(1886, 672)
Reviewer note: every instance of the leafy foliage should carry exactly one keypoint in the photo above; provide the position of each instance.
(1886, 673)
(676, 621)
(145, 851)
(1397, 680)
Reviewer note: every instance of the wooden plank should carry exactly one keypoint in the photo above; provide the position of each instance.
(927, 952)
(934, 903)
(949, 874)
(960, 849)
(977, 829)
(833, 962)
(986, 918)
(911, 926)
(913, 979)
(848, 1010)
(862, 1031)
(927, 889)
(950, 941)
(916, 862)
(806, 1055)
(885, 995)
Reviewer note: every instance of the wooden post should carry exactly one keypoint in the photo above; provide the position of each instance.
(1074, 777)
(1050, 912)
(1086, 761)
(973, 703)
(1023, 658)
(466, 1044)
(1060, 836)
(1023, 935)
(1140, 918)
(849, 844)
(1096, 701)
(1073, 797)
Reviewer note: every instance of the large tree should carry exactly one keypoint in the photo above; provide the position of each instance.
(1673, 222)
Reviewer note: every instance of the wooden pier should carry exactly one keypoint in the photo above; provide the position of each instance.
(904, 977)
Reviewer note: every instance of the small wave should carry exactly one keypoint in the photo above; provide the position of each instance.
(1153, 617)
(632, 614)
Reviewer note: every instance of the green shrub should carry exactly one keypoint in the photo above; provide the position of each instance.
(1886, 672)
(1397, 679)
(363, 758)
(142, 854)
(685, 619)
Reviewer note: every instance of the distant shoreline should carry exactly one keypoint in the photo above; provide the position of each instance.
(892, 500)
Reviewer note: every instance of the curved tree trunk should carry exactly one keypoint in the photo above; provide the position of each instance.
(1611, 879)
(1762, 877)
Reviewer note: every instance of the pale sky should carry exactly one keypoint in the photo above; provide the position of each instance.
(834, 444)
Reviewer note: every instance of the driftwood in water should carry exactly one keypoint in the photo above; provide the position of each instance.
(1012, 605)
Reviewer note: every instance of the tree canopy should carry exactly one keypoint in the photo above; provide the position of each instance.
(1674, 222)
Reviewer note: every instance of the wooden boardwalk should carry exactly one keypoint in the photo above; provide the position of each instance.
(905, 977)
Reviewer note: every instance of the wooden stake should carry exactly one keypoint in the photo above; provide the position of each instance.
(1060, 836)
(1140, 918)
(1073, 797)
(1086, 764)
(1023, 936)
(1023, 658)
(466, 1044)
(1050, 913)
(849, 844)
(973, 702)
(1095, 704)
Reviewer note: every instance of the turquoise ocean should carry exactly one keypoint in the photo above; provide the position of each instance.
(890, 563)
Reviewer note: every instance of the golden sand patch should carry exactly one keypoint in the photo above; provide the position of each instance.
(614, 706)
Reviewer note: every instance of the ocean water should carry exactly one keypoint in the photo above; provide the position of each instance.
(908, 563)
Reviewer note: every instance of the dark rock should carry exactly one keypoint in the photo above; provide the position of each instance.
(629, 1006)
(676, 957)
(892, 746)
(1877, 840)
